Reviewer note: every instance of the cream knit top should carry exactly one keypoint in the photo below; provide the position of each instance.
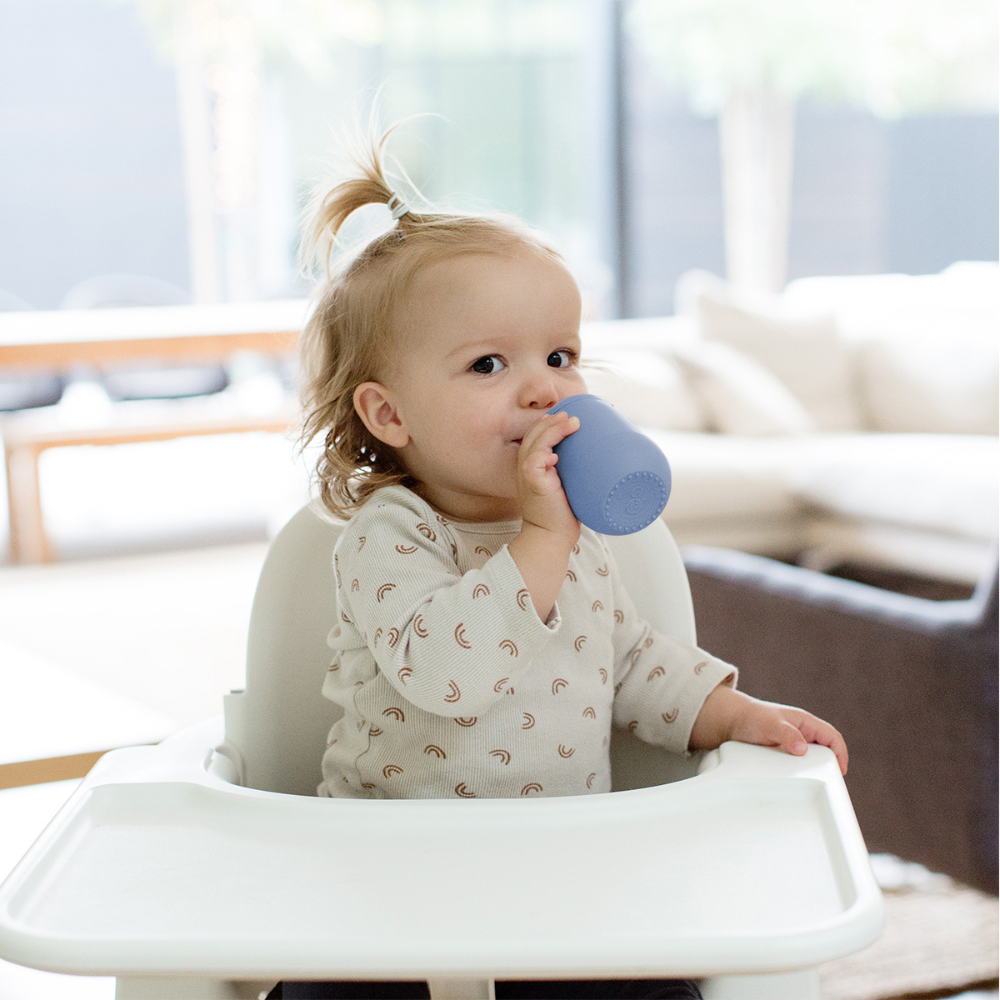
(450, 683)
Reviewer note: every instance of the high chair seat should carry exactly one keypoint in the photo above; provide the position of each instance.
(179, 870)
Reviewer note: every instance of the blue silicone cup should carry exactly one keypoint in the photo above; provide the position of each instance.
(616, 480)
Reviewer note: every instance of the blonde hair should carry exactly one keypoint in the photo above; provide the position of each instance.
(350, 334)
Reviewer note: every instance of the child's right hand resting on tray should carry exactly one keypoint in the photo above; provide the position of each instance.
(733, 715)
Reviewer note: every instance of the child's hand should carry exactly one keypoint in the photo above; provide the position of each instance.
(543, 501)
(732, 715)
(549, 531)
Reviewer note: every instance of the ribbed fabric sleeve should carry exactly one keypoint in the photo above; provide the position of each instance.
(660, 683)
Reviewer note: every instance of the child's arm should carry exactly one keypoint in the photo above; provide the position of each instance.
(660, 681)
(733, 715)
(451, 643)
(703, 707)
(550, 530)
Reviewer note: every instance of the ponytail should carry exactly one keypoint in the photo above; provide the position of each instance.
(329, 209)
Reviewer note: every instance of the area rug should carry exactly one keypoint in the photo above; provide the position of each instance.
(940, 939)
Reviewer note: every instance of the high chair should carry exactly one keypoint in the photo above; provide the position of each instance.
(205, 867)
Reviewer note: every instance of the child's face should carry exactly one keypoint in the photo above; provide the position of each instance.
(486, 346)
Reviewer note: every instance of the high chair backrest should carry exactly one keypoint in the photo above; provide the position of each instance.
(276, 728)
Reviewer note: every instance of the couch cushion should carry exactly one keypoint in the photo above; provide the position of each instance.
(643, 381)
(725, 478)
(924, 503)
(720, 389)
(922, 384)
(648, 388)
(832, 541)
(803, 351)
(927, 344)
(933, 482)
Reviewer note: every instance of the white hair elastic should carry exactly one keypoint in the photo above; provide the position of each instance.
(397, 206)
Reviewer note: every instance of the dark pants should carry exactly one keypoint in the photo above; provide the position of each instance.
(606, 989)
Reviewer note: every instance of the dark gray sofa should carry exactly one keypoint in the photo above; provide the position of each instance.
(910, 683)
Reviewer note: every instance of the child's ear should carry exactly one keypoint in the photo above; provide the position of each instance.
(373, 404)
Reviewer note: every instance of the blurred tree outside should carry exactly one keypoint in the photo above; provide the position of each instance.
(749, 60)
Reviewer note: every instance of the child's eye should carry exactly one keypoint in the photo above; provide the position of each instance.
(560, 359)
(488, 365)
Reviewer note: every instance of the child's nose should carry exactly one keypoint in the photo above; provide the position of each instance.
(539, 392)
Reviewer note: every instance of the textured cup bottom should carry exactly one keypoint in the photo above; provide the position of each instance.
(634, 502)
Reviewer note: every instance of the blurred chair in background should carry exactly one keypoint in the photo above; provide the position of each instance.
(106, 291)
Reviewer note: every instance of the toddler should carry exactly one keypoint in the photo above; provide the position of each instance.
(485, 644)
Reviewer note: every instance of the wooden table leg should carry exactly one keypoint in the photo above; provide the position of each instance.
(29, 542)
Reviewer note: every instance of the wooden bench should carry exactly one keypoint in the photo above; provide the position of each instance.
(63, 339)
(25, 438)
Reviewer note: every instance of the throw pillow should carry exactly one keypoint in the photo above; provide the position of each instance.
(927, 344)
(647, 388)
(805, 354)
(740, 395)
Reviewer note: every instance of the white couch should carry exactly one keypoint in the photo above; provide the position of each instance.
(850, 419)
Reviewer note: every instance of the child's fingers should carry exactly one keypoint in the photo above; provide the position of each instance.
(536, 455)
(549, 431)
(766, 726)
(789, 738)
(817, 731)
(539, 487)
(792, 730)
(812, 730)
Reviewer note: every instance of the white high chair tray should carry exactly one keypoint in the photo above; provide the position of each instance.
(728, 871)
